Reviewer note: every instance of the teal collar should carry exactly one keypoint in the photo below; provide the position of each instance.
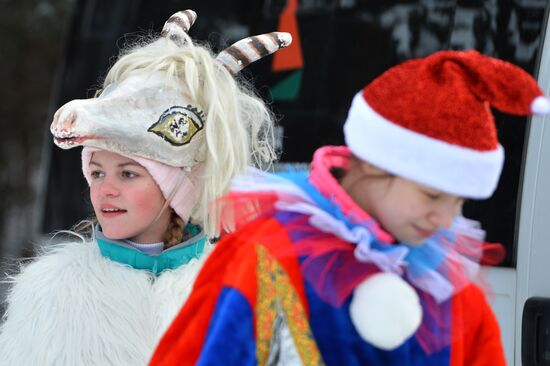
(171, 258)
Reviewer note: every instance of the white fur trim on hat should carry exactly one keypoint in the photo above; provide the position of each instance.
(450, 168)
(385, 310)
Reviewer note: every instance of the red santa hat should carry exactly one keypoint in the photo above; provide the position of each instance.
(429, 119)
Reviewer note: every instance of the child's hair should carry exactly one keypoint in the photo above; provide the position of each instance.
(239, 126)
(83, 229)
(175, 231)
(340, 173)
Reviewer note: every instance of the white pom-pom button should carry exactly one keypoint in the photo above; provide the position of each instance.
(385, 310)
(540, 106)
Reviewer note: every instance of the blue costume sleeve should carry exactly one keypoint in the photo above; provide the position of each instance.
(230, 336)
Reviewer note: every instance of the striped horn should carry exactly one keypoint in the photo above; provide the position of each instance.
(178, 24)
(248, 50)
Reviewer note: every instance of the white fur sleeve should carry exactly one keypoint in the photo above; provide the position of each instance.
(34, 307)
(58, 305)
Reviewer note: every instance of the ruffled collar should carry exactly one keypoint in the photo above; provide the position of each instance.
(171, 258)
(441, 266)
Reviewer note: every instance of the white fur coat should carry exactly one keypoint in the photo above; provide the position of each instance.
(72, 306)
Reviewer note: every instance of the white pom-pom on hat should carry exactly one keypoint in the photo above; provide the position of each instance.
(540, 106)
(385, 310)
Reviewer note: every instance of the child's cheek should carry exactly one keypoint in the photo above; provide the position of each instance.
(146, 200)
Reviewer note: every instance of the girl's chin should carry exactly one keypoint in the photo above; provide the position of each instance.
(414, 243)
(411, 240)
(114, 234)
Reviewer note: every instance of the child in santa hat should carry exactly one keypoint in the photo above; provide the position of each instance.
(170, 129)
(366, 260)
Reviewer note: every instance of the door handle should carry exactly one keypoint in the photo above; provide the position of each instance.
(535, 332)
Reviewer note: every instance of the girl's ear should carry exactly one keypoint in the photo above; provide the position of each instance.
(358, 167)
(367, 168)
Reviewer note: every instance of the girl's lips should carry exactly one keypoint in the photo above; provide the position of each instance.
(111, 214)
(110, 211)
(423, 232)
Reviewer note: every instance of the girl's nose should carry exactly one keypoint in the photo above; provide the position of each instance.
(443, 216)
(109, 188)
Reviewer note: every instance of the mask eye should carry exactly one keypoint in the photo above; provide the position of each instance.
(178, 125)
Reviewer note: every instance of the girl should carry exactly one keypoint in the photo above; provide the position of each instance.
(168, 132)
(366, 259)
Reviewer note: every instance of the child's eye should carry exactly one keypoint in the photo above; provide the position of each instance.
(96, 174)
(432, 195)
(129, 174)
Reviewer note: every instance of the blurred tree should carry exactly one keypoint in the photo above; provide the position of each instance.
(31, 38)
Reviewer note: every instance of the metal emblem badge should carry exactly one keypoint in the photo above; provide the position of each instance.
(177, 125)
